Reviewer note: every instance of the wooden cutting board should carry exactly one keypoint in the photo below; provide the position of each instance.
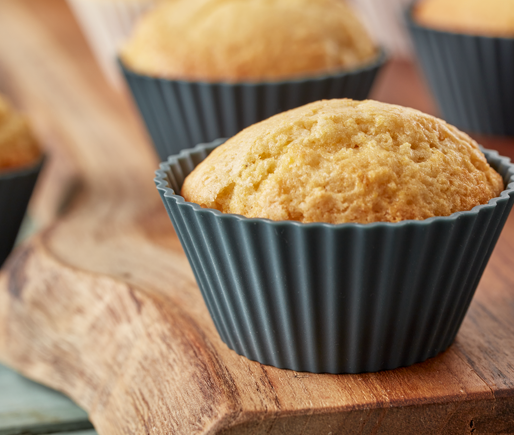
(103, 306)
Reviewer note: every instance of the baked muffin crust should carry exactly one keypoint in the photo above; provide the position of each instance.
(18, 146)
(340, 161)
(477, 17)
(248, 40)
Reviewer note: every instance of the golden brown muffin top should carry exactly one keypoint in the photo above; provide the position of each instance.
(342, 161)
(18, 147)
(477, 17)
(248, 40)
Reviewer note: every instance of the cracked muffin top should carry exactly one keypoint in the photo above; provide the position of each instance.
(476, 17)
(248, 40)
(340, 161)
(18, 147)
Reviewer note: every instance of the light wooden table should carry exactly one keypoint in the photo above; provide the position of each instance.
(102, 304)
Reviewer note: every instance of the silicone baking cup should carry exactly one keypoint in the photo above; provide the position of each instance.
(327, 298)
(107, 24)
(470, 76)
(16, 188)
(180, 114)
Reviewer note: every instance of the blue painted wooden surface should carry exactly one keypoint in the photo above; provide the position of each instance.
(29, 408)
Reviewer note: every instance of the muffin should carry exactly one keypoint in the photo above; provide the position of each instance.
(107, 24)
(248, 40)
(465, 48)
(203, 69)
(341, 161)
(20, 163)
(18, 147)
(493, 18)
(385, 20)
(383, 221)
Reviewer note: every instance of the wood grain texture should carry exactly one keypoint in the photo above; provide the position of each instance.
(103, 306)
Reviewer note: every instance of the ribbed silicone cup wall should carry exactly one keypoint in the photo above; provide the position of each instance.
(470, 76)
(15, 191)
(180, 114)
(344, 298)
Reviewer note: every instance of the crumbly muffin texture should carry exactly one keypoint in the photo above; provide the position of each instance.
(342, 161)
(479, 17)
(18, 146)
(248, 40)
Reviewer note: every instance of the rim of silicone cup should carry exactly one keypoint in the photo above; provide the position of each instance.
(10, 173)
(379, 61)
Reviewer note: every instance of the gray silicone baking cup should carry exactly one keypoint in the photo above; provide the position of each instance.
(16, 188)
(470, 76)
(180, 114)
(326, 298)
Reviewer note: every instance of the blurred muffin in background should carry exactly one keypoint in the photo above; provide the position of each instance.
(20, 164)
(475, 17)
(466, 49)
(18, 147)
(205, 69)
(107, 24)
(248, 40)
